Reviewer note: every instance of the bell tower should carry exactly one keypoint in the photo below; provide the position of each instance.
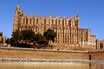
(17, 17)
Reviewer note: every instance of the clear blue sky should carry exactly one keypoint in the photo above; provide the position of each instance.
(91, 12)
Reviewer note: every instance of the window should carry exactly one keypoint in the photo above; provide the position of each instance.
(44, 28)
(86, 36)
(69, 22)
(26, 20)
(55, 22)
(101, 45)
(52, 21)
(30, 21)
(59, 22)
(49, 21)
(37, 21)
(44, 21)
(33, 20)
(63, 22)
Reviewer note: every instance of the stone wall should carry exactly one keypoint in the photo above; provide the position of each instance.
(92, 40)
(99, 44)
(86, 38)
(45, 54)
(41, 54)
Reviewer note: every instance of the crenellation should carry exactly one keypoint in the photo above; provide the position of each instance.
(68, 17)
(63, 17)
(26, 14)
(33, 15)
(50, 16)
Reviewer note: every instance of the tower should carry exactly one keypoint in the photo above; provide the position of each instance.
(18, 14)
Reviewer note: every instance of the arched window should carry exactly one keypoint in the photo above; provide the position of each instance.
(101, 45)
(30, 20)
(55, 22)
(26, 20)
(59, 22)
(69, 22)
(37, 21)
(86, 36)
(44, 21)
(52, 22)
(33, 20)
(44, 28)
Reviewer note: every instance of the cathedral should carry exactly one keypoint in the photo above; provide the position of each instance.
(67, 29)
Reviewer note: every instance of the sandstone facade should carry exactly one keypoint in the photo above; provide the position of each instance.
(67, 29)
(99, 44)
(86, 38)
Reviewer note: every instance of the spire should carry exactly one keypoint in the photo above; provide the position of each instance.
(75, 17)
(56, 16)
(63, 16)
(68, 17)
(50, 15)
(40, 15)
(18, 5)
(78, 16)
(26, 14)
(33, 14)
(71, 18)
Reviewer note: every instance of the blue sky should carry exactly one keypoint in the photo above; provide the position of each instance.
(91, 12)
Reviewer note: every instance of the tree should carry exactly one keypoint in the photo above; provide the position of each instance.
(16, 35)
(27, 35)
(40, 39)
(27, 38)
(37, 37)
(50, 35)
(20, 38)
(8, 40)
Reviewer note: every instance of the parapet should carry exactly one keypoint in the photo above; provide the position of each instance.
(76, 17)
